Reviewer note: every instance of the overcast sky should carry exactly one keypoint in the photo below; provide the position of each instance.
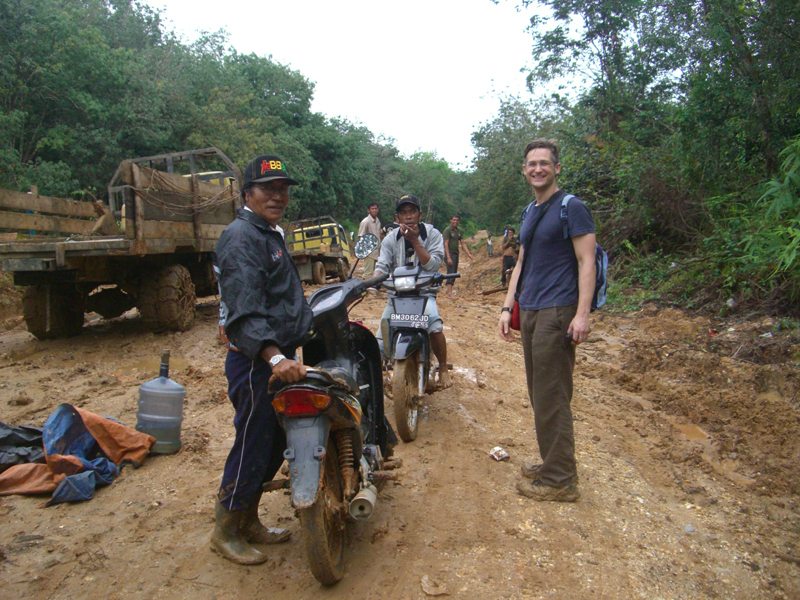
(423, 72)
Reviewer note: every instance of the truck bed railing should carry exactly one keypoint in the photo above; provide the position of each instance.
(32, 214)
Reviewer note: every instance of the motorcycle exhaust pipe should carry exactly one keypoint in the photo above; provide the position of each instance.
(364, 503)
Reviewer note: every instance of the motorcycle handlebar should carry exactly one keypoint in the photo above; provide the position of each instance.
(372, 282)
(439, 277)
(436, 279)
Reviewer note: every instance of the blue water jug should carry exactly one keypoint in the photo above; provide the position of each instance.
(161, 410)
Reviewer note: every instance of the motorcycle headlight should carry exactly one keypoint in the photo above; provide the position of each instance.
(404, 284)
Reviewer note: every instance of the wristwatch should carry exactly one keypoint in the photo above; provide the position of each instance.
(273, 362)
(505, 309)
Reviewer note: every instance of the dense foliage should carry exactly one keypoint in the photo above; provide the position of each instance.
(680, 126)
(672, 123)
(87, 83)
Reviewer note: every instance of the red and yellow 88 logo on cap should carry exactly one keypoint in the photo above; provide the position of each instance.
(271, 165)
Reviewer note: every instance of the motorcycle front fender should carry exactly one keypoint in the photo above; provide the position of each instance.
(306, 443)
(406, 343)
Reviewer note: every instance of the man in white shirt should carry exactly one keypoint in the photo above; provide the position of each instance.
(370, 224)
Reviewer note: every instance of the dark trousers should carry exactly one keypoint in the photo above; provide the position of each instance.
(452, 268)
(509, 262)
(548, 367)
(257, 451)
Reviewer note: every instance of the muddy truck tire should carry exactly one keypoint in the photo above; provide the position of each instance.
(167, 299)
(318, 273)
(54, 311)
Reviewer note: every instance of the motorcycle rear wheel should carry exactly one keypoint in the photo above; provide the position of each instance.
(323, 524)
(405, 393)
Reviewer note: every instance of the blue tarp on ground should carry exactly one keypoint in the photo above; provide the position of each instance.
(66, 434)
(82, 450)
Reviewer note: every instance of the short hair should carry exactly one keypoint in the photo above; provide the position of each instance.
(371, 204)
(456, 217)
(511, 229)
(551, 145)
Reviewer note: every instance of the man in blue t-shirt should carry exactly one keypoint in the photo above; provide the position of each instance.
(556, 275)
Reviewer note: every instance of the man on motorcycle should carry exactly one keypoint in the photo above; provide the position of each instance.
(264, 318)
(419, 244)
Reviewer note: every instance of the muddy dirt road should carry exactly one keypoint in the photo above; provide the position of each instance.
(689, 462)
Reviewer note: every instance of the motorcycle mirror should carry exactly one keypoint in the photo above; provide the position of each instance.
(365, 245)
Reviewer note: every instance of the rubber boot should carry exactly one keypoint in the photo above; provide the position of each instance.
(254, 532)
(227, 541)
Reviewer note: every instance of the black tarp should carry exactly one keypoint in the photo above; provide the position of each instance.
(20, 445)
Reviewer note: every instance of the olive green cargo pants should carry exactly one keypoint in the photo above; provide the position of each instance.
(548, 367)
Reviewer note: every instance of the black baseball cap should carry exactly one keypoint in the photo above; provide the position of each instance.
(266, 167)
(407, 199)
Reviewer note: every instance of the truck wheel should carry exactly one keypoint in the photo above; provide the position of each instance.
(54, 311)
(344, 270)
(318, 273)
(167, 300)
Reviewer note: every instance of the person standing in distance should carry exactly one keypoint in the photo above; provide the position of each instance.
(264, 318)
(419, 244)
(557, 284)
(453, 236)
(510, 252)
(370, 224)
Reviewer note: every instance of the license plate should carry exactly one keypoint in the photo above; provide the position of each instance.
(415, 321)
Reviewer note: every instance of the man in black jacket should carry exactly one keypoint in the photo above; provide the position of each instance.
(264, 318)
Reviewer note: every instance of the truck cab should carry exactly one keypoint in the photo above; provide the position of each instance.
(320, 249)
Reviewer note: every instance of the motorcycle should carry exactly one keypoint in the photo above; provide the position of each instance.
(407, 343)
(337, 436)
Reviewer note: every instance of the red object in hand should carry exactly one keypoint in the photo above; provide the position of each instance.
(515, 317)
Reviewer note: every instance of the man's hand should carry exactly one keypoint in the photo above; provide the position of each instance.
(579, 328)
(410, 232)
(504, 326)
(289, 371)
(449, 260)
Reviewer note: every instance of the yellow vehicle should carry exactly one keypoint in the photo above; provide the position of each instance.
(320, 249)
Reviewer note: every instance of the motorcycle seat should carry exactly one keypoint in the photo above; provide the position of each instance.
(325, 374)
(338, 375)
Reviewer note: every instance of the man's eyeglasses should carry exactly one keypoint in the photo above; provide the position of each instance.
(271, 187)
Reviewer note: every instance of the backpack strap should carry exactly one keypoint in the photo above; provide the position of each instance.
(564, 218)
(525, 214)
(540, 216)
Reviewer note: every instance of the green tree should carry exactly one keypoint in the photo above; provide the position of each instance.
(437, 186)
(497, 181)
